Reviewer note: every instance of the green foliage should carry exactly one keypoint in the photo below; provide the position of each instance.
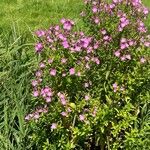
(122, 119)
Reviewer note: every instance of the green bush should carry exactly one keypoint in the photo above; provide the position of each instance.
(92, 91)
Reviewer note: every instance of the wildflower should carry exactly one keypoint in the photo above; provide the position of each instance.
(38, 73)
(50, 60)
(34, 83)
(48, 99)
(96, 20)
(39, 47)
(147, 44)
(63, 60)
(81, 117)
(53, 126)
(64, 114)
(103, 31)
(123, 58)
(42, 65)
(64, 74)
(53, 72)
(78, 73)
(35, 93)
(65, 44)
(72, 71)
(142, 60)
(94, 9)
(40, 33)
(36, 115)
(86, 85)
(117, 53)
(87, 97)
(27, 117)
(115, 87)
(128, 57)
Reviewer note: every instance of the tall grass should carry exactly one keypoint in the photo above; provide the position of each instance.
(16, 63)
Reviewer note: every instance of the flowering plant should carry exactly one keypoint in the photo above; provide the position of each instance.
(86, 87)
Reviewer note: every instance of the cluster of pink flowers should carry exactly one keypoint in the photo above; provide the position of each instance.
(123, 21)
(36, 114)
(124, 45)
(47, 94)
(67, 24)
(106, 38)
(141, 27)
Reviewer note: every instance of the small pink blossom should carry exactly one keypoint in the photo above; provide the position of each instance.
(39, 47)
(117, 53)
(94, 9)
(142, 60)
(35, 93)
(48, 99)
(63, 60)
(36, 116)
(64, 114)
(53, 126)
(81, 117)
(42, 65)
(34, 83)
(128, 57)
(72, 71)
(87, 97)
(86, 85)
(53, 72)
(78, 73)
(50, 60)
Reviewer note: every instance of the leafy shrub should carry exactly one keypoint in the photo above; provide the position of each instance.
(88, 90)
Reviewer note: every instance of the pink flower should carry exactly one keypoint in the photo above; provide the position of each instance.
(72, 71)
(35, 93)
(147, 44)
(40, 33)
(39, 47)
(103, 32)
(128, 57)
(96, 20)
(27, 117)
(65, 44)
(123, 46)
(64, 114)
(87, 97)
(48, 99)
(94, 9)
(42, 65)
(117, 53)
(78, 74)
(34, 83)
(36, 116)
(145, 11)
(63, 60)
(53, 126)
(38, 73)
(50, 60)
(64, 74)
(115, 87)
(81, 117)
(86, 85)
(123, 58)
(53, 72)
(142, 60)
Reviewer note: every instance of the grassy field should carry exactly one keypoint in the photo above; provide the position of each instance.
(33, 14)
(19, 18)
